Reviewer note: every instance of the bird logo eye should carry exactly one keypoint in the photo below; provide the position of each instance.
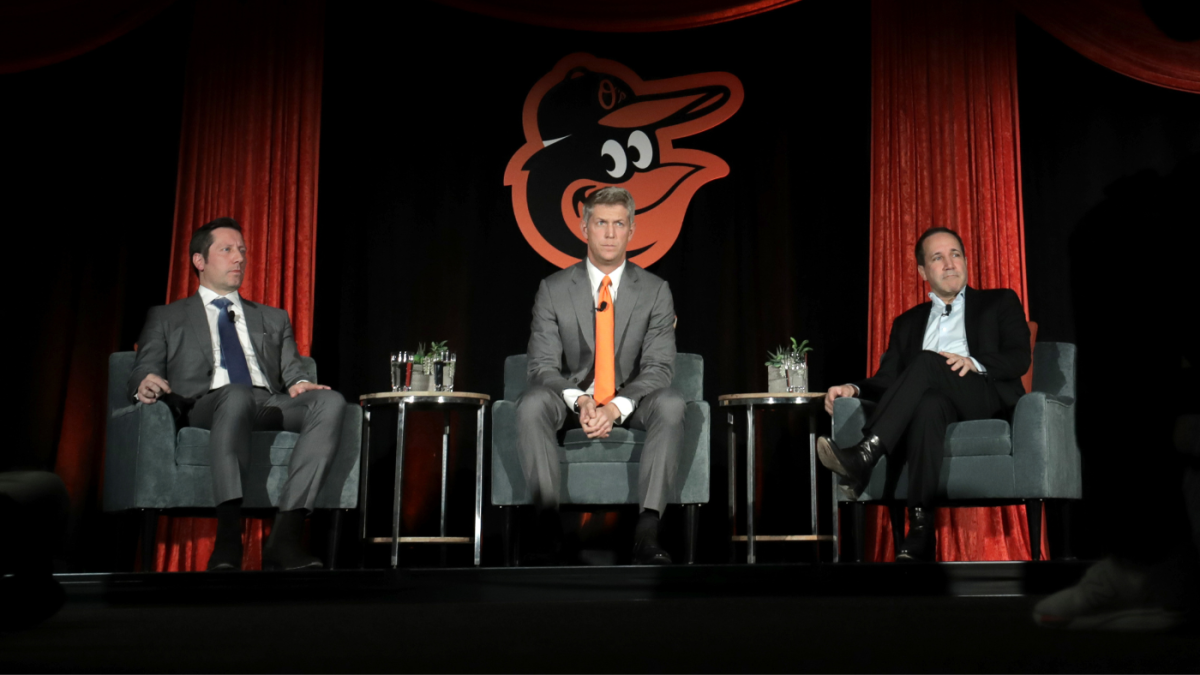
(614, 150)
(640, 143)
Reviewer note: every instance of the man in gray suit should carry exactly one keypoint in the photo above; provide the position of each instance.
(570, 375)
(230, 365)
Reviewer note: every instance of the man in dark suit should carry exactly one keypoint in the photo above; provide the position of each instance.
(602, 353)
(230, 365)
(958, 357)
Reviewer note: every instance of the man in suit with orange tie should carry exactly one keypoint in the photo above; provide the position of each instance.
(602, 353)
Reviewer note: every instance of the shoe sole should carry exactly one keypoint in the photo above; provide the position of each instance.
(829, 458)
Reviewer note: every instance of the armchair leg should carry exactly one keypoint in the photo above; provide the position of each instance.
(692, 527)
(896, 511)
(509, 516)
(335, 535)
(860, 531)
(149, 532)
(1033, 515)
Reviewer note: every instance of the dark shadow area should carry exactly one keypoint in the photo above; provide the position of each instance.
(1110, 180)
(90, 149)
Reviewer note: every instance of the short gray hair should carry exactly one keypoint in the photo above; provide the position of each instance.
(608, 195)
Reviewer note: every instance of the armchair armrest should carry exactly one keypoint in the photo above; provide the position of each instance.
(849, 417)
(139, 463)
(1046, 457)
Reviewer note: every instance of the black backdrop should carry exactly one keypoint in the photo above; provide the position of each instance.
(418, 240)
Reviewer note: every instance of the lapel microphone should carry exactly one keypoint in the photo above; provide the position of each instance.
(945, 313)
(232, 316)
(603, 306)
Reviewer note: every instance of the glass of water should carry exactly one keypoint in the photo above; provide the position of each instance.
(796, 370)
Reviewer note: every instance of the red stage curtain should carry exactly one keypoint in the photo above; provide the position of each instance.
(249, 149)
(945, 151)
(1119, 35)
(35, 33)
(619, 16)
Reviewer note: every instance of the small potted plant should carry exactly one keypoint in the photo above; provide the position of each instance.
(795, 357)
(423, 360)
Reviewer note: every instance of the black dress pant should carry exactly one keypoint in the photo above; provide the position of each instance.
(923, 401)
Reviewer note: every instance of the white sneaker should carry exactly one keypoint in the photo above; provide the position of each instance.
(1111, 596)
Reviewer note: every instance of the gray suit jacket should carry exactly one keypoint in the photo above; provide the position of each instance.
(562, 338)
(176, 345)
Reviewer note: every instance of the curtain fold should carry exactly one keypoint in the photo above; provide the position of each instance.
(945, 152)
(249, 149)
(1119, 35)
(619, 16)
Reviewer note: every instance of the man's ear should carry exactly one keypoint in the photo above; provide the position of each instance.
(198, 261)
(921, 270)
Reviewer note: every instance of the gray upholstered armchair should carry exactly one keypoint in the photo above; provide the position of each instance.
(991, 461)
(150, 465)
(604, 471)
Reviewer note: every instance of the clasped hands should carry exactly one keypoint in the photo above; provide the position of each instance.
(597, 420)
(153, 387)
(958, 363)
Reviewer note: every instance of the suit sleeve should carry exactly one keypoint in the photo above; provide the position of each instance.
(890, 366)
(545, 348)
(657, 366)
(1013, 357)
(152, 351)
(291, 366)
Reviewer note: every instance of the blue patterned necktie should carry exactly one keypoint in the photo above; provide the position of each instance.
(233, 359)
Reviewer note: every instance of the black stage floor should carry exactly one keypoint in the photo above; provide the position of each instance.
(970, 617)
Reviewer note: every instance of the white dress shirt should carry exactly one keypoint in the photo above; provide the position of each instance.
(220, 375)
(948, 332)
(595, 276)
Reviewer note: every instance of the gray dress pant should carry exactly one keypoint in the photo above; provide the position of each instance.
(541, 412)
(232, 412)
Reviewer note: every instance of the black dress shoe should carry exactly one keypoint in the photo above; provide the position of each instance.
(920, 543)
(646, 551)
(226, 555)
(853, 463)
(283, 551)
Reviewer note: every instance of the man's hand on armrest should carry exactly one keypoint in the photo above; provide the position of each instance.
(151, 388)
(840, 391)
(303, 386)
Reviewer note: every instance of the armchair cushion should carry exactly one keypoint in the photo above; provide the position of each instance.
(978, 437)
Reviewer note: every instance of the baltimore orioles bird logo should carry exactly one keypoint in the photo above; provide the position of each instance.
(591, 123)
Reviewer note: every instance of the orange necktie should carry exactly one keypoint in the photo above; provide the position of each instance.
(605, 388)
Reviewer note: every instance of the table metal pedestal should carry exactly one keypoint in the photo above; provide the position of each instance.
(424, 400)
(811, 404)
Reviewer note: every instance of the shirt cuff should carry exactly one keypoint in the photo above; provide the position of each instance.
(624, 405)
(569, 396)
(978, 365)
(857, 391)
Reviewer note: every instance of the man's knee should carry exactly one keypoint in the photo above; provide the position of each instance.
(538, 403)
(669, 406)
(931, 360)
(327, 399)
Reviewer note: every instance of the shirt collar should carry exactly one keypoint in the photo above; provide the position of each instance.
(960, 299)
(207, 295)
(595, 276)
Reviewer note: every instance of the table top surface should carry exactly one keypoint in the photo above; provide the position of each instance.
(394, 397)
(769, 398)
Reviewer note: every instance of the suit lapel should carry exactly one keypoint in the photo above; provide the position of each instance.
(197, 321)
(581, 297)
(254, 324)
(971, 319)
(627, 299)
